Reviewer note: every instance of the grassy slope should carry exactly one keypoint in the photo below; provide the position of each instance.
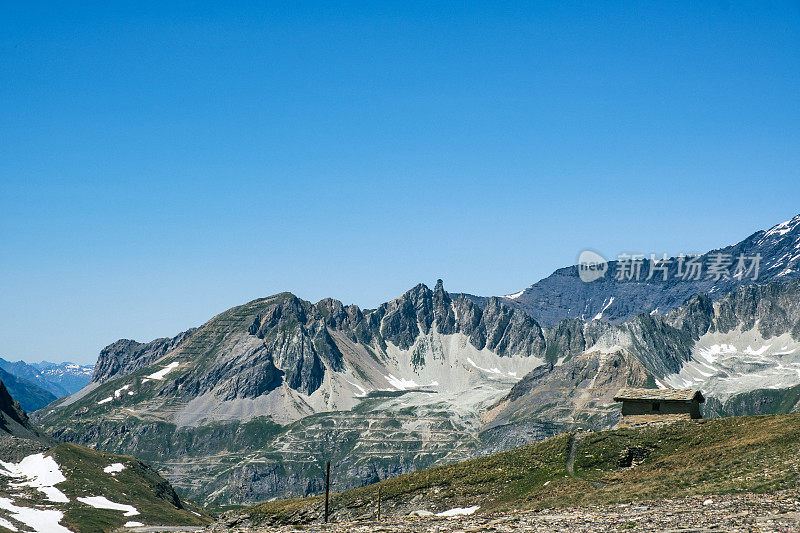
(137, 484)
(758, 454)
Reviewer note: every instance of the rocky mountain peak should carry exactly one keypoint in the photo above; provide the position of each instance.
(336, 315)
(125, 356)
(775, 251)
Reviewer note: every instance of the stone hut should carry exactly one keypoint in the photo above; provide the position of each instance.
(645, 406)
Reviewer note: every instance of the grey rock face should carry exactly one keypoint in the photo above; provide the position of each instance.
(756, 402)
(125, 356)
(290, 340)
(578, 393)
(508, 331)
(772, 307)
(443, 310)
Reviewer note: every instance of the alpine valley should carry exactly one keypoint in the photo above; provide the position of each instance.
(249, 406)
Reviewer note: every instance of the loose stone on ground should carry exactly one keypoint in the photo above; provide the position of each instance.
(777, 512)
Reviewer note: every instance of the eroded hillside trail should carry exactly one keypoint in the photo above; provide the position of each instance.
(572, 444)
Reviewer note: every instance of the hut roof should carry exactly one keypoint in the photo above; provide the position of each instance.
(664, 395)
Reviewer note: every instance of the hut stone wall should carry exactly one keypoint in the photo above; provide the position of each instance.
(660, 407)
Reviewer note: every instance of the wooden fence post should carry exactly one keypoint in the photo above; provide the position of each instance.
(327, 488)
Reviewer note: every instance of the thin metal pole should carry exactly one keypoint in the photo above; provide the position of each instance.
(327, 488)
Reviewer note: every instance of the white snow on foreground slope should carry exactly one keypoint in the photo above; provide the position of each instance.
(40, 472)
(40, 520)
(114, 468)
(101, 502)
(458, 511)
(8, 525)
(43, 473)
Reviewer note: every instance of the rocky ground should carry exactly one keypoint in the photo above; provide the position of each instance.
(730, 513)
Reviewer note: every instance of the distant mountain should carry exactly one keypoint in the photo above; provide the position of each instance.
(563, 295)
(31, 396)
(59, 379)
(71, 377)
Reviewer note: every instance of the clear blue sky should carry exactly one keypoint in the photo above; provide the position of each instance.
(159, 164)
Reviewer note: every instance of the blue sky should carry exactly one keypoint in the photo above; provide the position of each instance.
(160, 164)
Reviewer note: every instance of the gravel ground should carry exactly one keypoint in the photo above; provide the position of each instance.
(729, 513)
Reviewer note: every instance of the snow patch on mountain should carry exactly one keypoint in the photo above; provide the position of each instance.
(40, 472)
(101, 502)
(114, 468)
(158, 376)
(711, 353)
(487, 370)
(781, 229)
(39, 520)
(599, 315)
(726, 364)
(400, 383)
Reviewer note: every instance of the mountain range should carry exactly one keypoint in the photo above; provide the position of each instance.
(60, 379)
(251, 404)
(35, 385)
